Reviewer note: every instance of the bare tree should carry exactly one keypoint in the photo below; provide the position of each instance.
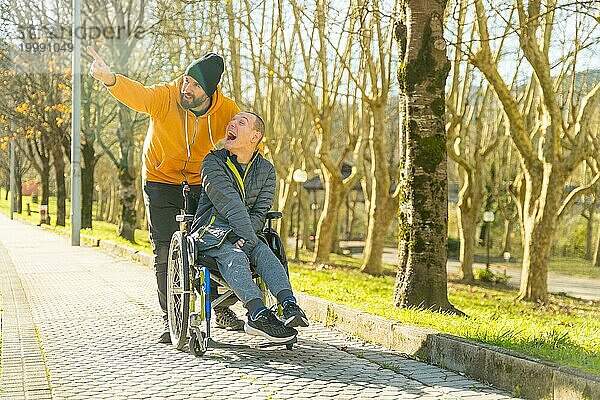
(129, 13)
(375, 40)
(551, 150)
(321, 91)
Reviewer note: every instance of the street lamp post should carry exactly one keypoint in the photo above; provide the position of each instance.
(488, 218)
(76, 128)
(299, 177)
(314, 206)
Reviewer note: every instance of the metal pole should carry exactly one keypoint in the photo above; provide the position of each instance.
(13, 184)
(296, 254)
(487, 264)
(76, 129)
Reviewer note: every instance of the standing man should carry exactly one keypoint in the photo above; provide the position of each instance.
(188, 116)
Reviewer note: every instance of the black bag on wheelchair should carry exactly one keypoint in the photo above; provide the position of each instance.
(272, 239)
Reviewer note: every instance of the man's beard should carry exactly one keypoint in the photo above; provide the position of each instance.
(195, 102)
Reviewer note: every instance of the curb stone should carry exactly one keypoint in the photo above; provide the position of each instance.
(523, 375)
(526, 376)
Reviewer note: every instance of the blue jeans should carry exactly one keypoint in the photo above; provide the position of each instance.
(234, 267)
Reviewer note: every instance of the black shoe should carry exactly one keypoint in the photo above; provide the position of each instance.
(226, 319)
(269, 326)
(293, 315)
(165, 337)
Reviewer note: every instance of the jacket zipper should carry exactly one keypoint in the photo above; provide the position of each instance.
(240, 180)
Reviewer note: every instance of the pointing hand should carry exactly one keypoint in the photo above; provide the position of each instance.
(100, 70)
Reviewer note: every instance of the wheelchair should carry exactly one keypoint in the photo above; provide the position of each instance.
(189, 277)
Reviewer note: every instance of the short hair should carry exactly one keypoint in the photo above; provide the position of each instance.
(259, 124)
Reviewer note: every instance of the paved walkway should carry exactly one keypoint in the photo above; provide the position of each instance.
(81, 324)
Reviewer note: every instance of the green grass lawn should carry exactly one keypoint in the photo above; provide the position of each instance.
(565, 331)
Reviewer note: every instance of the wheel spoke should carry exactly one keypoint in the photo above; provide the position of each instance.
(178, 296)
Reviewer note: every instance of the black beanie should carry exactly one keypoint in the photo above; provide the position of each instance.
(207, 72)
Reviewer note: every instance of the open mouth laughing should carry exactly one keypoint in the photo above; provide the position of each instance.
(231, 135)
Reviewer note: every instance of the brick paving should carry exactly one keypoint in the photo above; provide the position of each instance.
(97, 320)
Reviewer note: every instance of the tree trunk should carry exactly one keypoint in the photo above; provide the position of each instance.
(127, 199)
(589, 230)
(534, 273)
(469, 208)
(373, 252)
(112, 205)
(328, 222)
(45, 182)
(61, 192)
(87, 183)
(352, 220)
(423, 217)
(106, 208)
(596, 259)
(100, 203)
(381, 203)
(506, 237)
(19, 192)
(539, 220)
(467, 233)
(127, 192)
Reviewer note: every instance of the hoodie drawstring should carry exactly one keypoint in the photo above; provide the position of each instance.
(187, 143)
(210, 134)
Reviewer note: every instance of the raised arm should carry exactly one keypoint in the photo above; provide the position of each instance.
(147, 99)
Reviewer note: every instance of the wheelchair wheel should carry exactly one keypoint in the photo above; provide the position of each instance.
(178, 290)
(197, 344)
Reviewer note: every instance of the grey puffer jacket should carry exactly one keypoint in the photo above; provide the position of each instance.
(232, 202)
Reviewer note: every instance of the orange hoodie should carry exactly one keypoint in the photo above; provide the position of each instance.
(167, 156)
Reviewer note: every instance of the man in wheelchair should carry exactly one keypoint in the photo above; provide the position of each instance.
(238, 187)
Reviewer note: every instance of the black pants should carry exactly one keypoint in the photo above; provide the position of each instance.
(163, 203)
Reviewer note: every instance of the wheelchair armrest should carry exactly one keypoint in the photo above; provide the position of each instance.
(274, 215)
(184, 217)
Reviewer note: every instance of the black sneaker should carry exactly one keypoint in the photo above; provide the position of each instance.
(226, 319)
(269, 326)
(165, 337)
(293, 315)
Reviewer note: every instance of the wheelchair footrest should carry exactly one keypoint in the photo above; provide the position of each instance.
(221, 345)
(273, 344)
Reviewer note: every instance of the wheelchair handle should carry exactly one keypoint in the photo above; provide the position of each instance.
(185, 189)
(271, 215)
(274, 215)
(184, 217)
